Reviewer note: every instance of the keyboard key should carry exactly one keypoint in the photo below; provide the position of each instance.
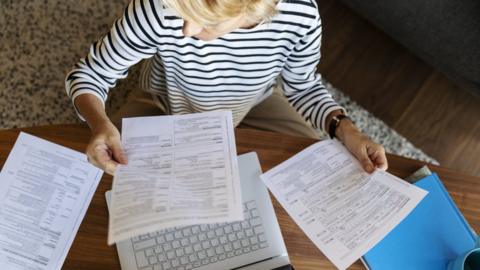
(210, 252)
(253, 240)
(166, 265)
(169, 237)
(214, 242)
(202, 254)
(250, 205)
(205, 244)
(219, 232)
(203, 227)
(175, 263)
(236, 245)
(202, 237)
(152, 260)
(187, 232)
(161, 257)
(167, 247)
(238, 252)
(255, 221)
(240, 234)
(177, 234)
(158, 249)
(176, 244)
(210, 234)
(144, 244)
(192, 258)
(245, 225)
(262, 237)
(230, 254)
(232, 237)
(188, 250)
(255, 213)
(245, 243)
(219, 250)
(195, 229)
(249, 232)
(227, 247)
(149, 252)
(223, 240)
(255, 247)
(179, 252)
(213, 259)
(160, 239)
(236, 227)
(222, 257)
(170, 255)
(193, 239)
(197, 247)
(184, 242)
(205, 261)
(258, 229)
(228, 229)
(263, 245)
(184, 260)
(157, 267)
(141, 259)
(246, 249)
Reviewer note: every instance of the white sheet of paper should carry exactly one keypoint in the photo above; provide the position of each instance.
(342, 209)
(182, 170)
(45, 190)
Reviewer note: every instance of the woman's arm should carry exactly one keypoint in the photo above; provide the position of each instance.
(133, 37)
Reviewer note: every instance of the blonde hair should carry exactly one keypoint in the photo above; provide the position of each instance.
(211, 12)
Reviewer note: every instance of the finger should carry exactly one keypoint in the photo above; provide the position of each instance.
(110, 167)
(117, 151)
(364, 159)
(378, 157)
(101, 157)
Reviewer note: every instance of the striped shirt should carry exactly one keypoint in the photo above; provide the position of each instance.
(233, 72)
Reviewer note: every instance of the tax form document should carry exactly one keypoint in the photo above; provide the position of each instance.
(45, 190)
(182, 170)
(341, 208)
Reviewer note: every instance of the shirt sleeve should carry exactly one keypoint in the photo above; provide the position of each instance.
(133, 37)
(301, 83)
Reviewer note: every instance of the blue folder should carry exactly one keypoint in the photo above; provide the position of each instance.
(433, 234)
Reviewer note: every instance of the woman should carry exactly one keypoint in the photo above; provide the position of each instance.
(256, 58)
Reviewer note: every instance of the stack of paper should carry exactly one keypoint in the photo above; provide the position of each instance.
(182, 170)
(45, 190)
(342, 209)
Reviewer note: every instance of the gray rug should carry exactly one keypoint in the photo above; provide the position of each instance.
(41, 40)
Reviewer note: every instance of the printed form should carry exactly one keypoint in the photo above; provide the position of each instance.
(341, 208)
(45, 190)
(182, 170)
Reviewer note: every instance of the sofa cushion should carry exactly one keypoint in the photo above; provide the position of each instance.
(444, 33)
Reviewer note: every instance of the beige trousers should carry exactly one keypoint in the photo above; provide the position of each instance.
(273, 114)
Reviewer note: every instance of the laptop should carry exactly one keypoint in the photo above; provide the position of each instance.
(255, 243)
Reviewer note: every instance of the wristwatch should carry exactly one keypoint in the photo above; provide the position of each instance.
(334, 123)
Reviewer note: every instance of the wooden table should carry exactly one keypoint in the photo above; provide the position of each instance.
(90, 250)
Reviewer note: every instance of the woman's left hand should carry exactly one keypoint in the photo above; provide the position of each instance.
(370, 154)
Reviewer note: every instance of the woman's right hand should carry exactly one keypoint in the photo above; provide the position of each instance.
(105, 149)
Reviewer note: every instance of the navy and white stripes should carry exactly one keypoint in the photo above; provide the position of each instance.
(233, 72)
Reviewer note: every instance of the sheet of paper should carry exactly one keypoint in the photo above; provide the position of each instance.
(45, 190)
(182, 170)
(342, 209)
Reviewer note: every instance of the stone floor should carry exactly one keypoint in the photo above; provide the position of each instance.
(41, 40)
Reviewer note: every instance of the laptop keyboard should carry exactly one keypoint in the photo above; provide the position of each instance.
(190, 247)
